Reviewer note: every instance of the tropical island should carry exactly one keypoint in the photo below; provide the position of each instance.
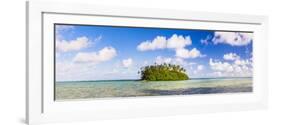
(163, 72)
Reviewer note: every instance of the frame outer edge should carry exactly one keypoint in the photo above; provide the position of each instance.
(35, 9)
(27, 61)
(33, 63)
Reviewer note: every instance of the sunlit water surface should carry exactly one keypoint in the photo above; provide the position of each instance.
(133, 88)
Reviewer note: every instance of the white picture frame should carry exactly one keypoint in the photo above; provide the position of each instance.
(41, 107)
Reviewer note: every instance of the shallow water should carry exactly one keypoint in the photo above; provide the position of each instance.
(133, 88)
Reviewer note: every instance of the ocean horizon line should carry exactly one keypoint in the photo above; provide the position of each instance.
(141, 80)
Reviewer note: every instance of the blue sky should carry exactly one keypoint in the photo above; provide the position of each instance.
(105, 52)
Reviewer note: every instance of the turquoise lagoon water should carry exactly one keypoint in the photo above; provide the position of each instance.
(133, 88)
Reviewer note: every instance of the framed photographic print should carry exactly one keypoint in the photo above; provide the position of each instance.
(88, 62)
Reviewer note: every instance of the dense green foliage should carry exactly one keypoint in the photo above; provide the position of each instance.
(163, 72)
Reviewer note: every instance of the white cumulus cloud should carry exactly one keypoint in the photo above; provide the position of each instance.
(220, 66)
(158, 43)
(232, 38)
(127, 62)
(231, 56)
(200, 67)
(178, 41)
(239, 68)
(175, 42)
(72, 45)
(242, 62)
(104, 54)
(161, 42)
(185, 53)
